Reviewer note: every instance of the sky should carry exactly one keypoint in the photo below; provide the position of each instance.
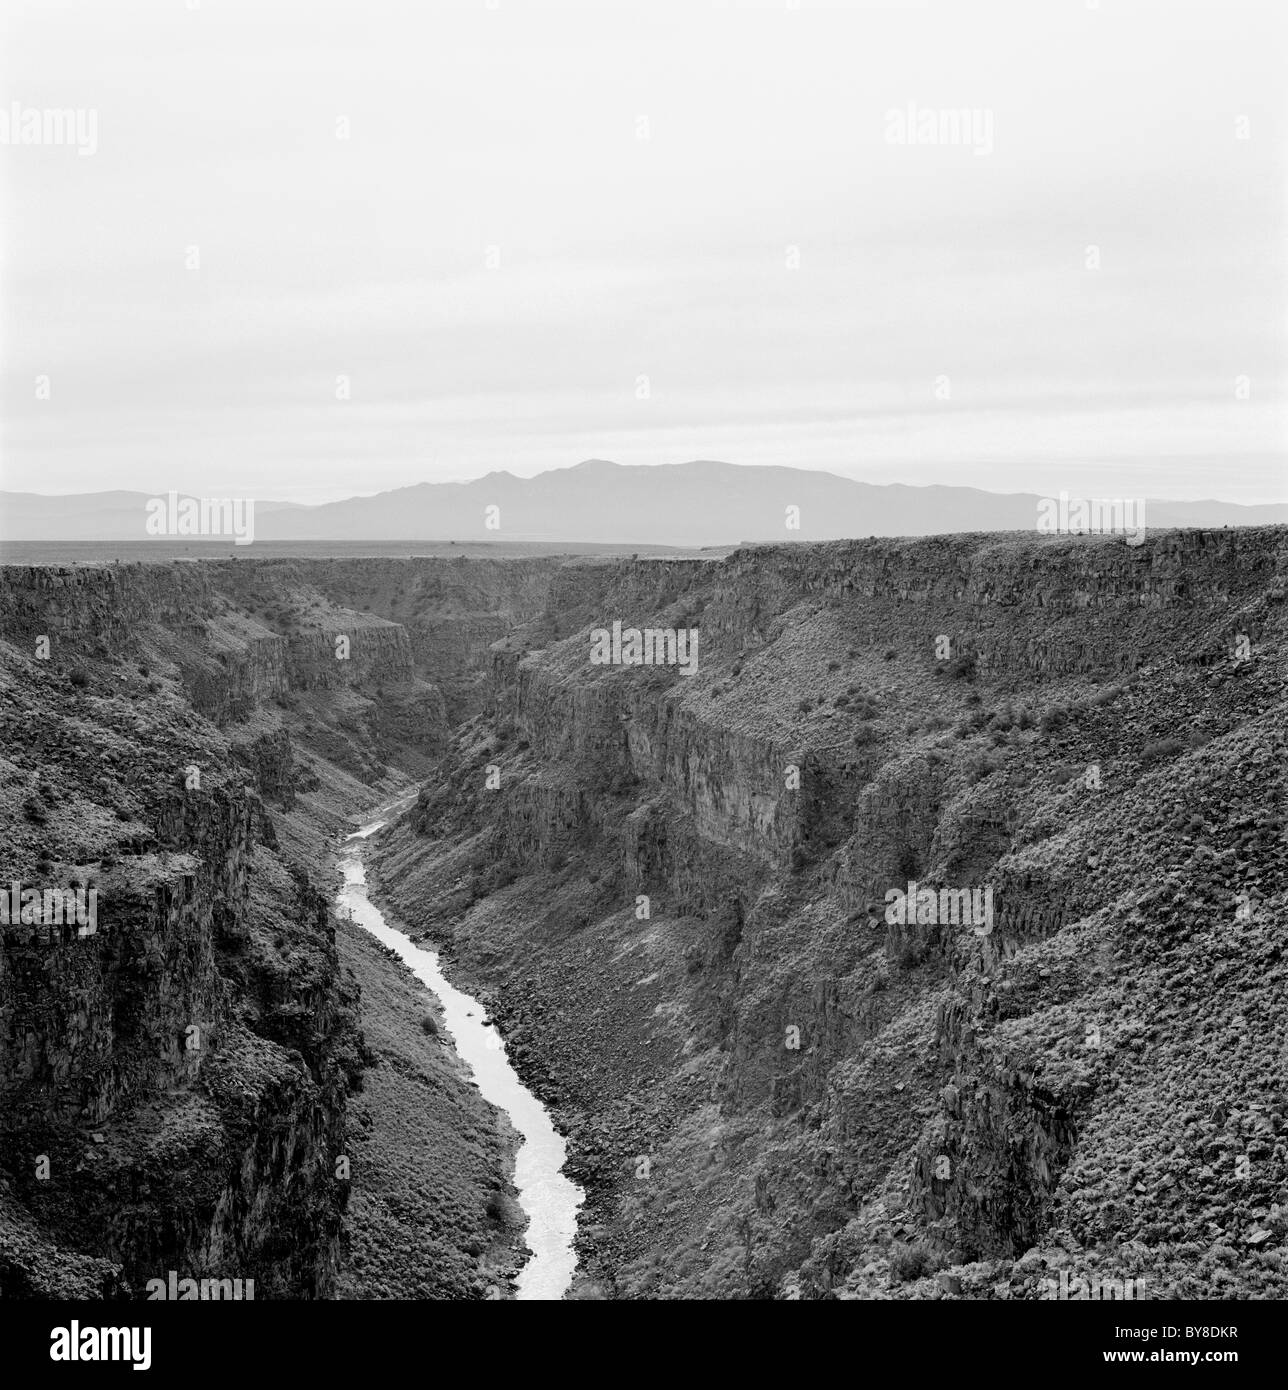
(304, 251)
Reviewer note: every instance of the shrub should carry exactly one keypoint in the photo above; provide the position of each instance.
(962, 667)
(909, 1262)
(909, 956)
(833, 665)
(1160, 750)
(980, 766)
(1054, 718)
(79, 677)
(430, 1025)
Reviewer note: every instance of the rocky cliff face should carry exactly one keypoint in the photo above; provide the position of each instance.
(173, 1081)
(673, 892)
(677, 887)
(173, 1084)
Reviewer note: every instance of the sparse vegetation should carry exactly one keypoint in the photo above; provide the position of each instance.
(1160, 750)
(1053, 718)
(962, 667)
(909, 1262)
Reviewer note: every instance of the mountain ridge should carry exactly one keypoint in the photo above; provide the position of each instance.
(700, 502)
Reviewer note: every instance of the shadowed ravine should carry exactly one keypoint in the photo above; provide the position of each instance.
(549, 1200)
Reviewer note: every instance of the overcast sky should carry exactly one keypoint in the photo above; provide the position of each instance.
(538, 205)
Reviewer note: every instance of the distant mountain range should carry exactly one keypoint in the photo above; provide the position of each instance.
(687, 504)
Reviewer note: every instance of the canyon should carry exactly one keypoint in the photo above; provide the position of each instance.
(668, 890)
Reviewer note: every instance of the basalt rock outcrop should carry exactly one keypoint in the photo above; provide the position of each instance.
(172, 1077)
(673, 892)
(182, 741)
(676, 889)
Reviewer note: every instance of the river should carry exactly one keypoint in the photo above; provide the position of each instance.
(548, 1198)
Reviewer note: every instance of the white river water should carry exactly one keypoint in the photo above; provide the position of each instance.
(549, 1199)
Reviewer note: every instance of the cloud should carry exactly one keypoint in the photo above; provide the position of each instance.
(494, 256)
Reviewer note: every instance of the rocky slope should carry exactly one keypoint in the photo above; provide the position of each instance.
(177, 1088)
(671, 891)
(674, 889)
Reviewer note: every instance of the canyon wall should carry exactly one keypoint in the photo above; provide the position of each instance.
(677, 889)
(672, 892)
(173, 1084)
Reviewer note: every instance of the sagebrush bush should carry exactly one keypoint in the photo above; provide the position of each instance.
(1054, 718)
(1160, 750)
(909, 1262)
(909, 957)
(961, 667)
